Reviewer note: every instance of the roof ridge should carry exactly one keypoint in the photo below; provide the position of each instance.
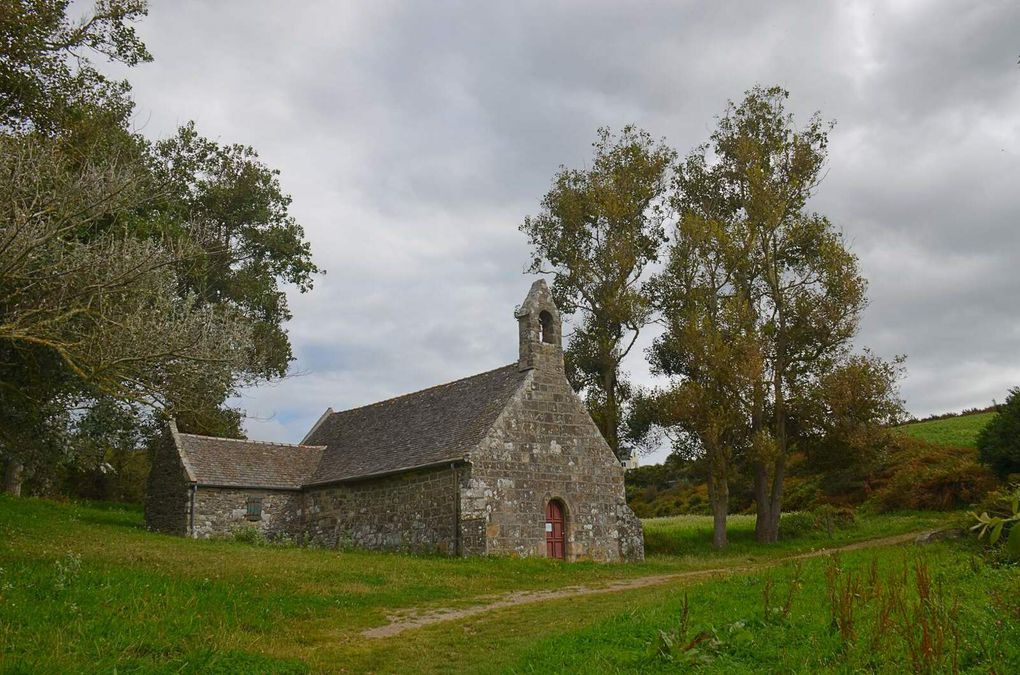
(422, 391)
(247, 440)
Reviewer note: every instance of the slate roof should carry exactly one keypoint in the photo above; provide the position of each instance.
(237, 463)
(415, 430)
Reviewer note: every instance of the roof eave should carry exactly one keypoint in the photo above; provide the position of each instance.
(181, 452)
(289, 488)
(453, 461)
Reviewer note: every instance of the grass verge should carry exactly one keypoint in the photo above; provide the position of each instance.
(84, 588)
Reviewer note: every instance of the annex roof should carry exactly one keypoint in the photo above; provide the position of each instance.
(415, 430)
(230, 462)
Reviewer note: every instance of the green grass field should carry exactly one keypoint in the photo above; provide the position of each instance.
(84, 588)
(958, 431)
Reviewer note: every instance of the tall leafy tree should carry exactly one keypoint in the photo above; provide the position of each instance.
(597, 232)
(174, 246)
(48, 82)
(87, 315)
(799, 283)
(232, 205)
(709, 356)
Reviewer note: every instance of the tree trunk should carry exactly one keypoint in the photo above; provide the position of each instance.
(719, 496)
(758, 466)
(768, 495)
(779, 465)
(769, 477)
(12, 477)
(776, 500)
(761, 499)
(612, 422)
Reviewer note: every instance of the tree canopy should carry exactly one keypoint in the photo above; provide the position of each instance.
(139, 276)
(999, 442)
(797, 285)
(598, 230)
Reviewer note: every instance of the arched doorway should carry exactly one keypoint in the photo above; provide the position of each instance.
(555, 522)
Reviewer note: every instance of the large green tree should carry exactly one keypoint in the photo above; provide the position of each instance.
(707, 353)
(598, 230)
(802, 293)
(85, 314)
(48, 82)
(232, 205)
(177, 249)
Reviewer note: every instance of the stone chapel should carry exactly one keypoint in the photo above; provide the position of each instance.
(506, 462)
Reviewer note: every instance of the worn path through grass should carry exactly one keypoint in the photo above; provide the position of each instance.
(409, 620)
(84, 588)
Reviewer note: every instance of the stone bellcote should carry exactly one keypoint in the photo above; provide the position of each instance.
(540, 330)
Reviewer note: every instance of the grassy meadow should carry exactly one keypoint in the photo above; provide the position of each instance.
(690, 536)
(84, 588)
(961, 431)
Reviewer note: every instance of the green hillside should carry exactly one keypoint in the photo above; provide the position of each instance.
(84, 588)
(959, 431)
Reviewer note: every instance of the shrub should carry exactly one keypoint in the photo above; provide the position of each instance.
(831, 518)
(249, 534)
(998, 517)
(823, 518)
(919, 475)
(999, 442)
(682, 499)
(797, 524)
(802, 493)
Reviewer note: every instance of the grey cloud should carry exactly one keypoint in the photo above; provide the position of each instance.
(416, 136)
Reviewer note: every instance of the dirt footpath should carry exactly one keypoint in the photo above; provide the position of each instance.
(412, 619)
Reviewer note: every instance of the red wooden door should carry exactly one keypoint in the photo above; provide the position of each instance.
(554, 547)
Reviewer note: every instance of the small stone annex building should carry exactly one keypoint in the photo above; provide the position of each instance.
(504, 462)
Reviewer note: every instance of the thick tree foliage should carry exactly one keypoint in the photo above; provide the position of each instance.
(763, 286)
(999, 442)
(47, 81)
(137, 279)
(597, 232)
(232, 206)
(845, 421)
(706, 353)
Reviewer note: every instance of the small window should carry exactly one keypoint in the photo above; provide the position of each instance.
(545, 322)
(254, 508)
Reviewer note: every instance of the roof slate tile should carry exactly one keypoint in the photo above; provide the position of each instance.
(240, 463)
(421, 429)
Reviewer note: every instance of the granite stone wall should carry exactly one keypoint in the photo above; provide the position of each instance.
(414, 511)
(632, 534)
(167, 501)
(545, 446)
(222, 511)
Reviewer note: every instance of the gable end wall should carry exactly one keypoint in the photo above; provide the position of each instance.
(545, 446)
(167, 499)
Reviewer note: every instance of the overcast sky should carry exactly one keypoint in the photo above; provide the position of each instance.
(416, 136)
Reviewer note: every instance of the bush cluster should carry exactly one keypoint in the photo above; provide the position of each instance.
(823, 518)
(999, 442)
(923, 476)
(688, 498)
